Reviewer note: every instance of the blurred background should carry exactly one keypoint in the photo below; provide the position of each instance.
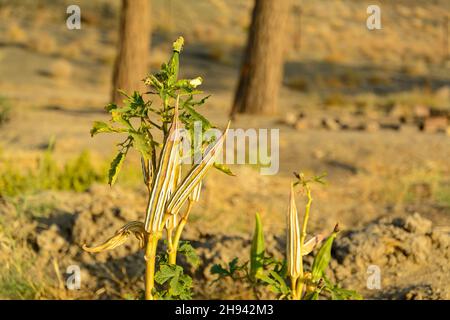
(370, 108)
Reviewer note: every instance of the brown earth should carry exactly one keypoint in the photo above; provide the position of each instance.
(379, 175)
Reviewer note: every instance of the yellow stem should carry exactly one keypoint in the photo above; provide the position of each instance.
(150, 261)
(170, 248)
(294, 287)
(179, 230)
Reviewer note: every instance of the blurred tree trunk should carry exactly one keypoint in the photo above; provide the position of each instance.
(134, 43)
(262, 67)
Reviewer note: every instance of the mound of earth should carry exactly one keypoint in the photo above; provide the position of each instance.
(411, 257)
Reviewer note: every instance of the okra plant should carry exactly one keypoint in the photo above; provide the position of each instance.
(172, 191)
(289, 278)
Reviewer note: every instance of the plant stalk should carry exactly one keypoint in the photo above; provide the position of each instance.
(178, 231)
(170, 248)
(150, 261)
(301, 280)
(294, 287)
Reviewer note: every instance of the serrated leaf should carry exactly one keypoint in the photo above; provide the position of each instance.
(110, 107)
(142, 145)
(219, 270)
(179, 284)
(101, 127)
(188, 251)
(115, 167)
(196, 116)
(233, 265)
(167, 272)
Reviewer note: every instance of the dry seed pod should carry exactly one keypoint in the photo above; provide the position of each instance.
(164, 178)
(195, 195)
(312, 243)
(121, 235)
(195, 176)
(293, 239)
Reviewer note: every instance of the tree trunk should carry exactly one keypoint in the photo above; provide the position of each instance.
(134, 43)
(262, 67)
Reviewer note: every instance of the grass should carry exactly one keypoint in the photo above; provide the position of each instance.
(16, 282)
(78, 174)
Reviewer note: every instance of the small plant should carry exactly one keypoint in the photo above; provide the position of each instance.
(289, 278)
(169, 188)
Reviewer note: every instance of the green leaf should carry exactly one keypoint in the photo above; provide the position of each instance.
(273, 285)
(196, 116)
(322, 259)
(101, 127)
(312, 295)
(338, 293)
(188, 251)
(177, 284)
(233, 267)
(116, 165)
(280, 282)
(219, 270)
(225, 169)
(173, 65)
(167, 272)
(142, 144)
(180, 284)
(257, 249)
(110, 107)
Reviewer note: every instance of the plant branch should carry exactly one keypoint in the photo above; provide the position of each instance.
(179, 230)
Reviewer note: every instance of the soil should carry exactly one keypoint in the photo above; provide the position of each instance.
(388, 182)
(411, 253)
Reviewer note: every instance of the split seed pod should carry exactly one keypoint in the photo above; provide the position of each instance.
(121, 235)
(293, 239)
(164, 178)
(195, 176)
